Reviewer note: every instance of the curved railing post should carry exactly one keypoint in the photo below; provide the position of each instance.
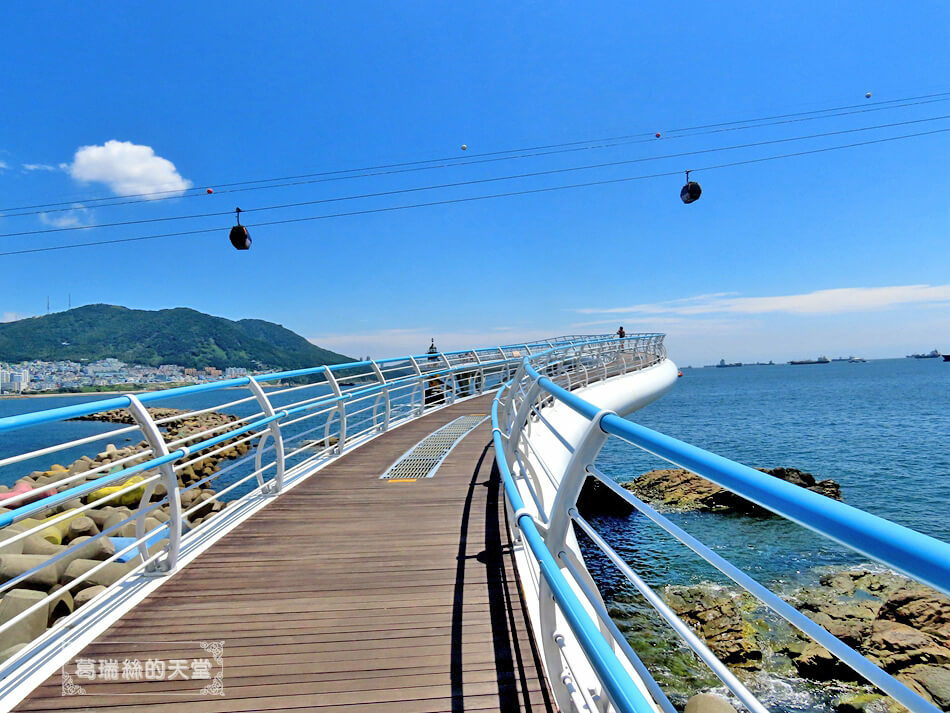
(340, 407)
(585, 453)
(520, 419)
(506, 377)
(382, 380)
(420, 387)
(157, 443)
(580, 362)
(450, 375)
(479, 376)
(515, 379)
(273, 429)
(558, 525)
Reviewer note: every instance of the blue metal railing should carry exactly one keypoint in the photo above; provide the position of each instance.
(923, 558)
(625, 696)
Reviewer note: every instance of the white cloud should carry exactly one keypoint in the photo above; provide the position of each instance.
(38, 167)
(833, 301)
(127, 168)
(76, 217)
(3, 165)
(11, 316)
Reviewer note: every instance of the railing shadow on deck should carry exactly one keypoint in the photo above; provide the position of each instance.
(507, 613)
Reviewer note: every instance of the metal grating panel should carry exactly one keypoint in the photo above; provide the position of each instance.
(424, 458)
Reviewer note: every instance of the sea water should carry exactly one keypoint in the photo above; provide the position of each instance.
(880, 429)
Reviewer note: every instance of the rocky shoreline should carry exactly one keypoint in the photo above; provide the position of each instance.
(682, 490)
(898, 624)
(19, 557)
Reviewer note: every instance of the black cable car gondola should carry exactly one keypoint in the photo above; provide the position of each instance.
(691, 191)
(240, 238)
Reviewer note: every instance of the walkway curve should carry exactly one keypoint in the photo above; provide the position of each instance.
(347, 593)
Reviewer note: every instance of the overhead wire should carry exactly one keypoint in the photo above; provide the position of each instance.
(475, 159)
(469, 199)
(457, 184)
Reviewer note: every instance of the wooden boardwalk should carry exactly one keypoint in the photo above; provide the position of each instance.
(347, 593)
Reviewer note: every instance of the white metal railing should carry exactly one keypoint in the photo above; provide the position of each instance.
(544, 434)
(284, 432)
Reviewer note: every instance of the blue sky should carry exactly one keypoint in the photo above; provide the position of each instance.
(206, 94)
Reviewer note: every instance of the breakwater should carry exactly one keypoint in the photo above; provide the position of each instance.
(43, 563)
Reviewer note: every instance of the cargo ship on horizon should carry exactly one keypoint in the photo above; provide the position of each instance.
(819, 360)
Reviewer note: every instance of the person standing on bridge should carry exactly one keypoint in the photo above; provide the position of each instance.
(621, 333)
(434, 388)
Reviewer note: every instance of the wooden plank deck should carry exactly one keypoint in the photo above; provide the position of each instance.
(347, 593)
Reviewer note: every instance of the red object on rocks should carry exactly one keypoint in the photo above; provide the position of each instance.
(21, 488)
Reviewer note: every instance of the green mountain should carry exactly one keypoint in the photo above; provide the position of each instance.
(168, 336)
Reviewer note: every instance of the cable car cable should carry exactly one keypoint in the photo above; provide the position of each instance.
(470, 199)
(328, 176)
(176, 193)
(534, 174)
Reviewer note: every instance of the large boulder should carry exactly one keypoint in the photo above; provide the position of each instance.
(716, 617)
(897, 646)
(597, 499)
(921, 608)
(683, 490)
(934, 680)
(818, 664)
(896, 623)
(828, 487)
(849, 620)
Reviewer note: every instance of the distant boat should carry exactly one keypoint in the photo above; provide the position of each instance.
(946, 357)
(819, 360)
(723, 365)
(842, 359)
(929, 355)
(856, 360)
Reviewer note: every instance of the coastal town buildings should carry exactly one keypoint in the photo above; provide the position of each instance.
(38, 376)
